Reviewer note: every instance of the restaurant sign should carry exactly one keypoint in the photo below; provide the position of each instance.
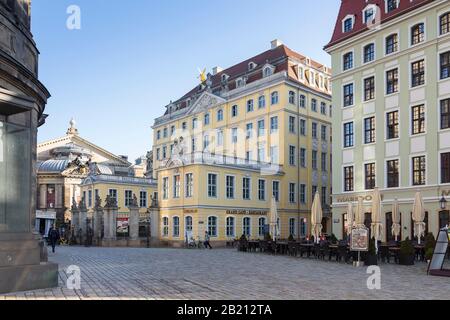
(359, 240)
(247, 212)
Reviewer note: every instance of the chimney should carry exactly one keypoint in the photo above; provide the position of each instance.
(123, 157)
(275, 43)
(216, 70)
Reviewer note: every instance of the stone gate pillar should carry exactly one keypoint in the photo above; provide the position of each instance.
(82, 228)
(110, 219)
(134, 222)
(74, 226)
(97, 219)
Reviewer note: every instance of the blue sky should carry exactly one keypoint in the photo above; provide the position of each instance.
(130, 58)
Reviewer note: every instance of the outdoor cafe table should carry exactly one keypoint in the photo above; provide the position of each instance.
(253, 245)
(282, 246)
(309, 247)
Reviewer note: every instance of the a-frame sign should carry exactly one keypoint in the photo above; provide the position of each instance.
(436, 267)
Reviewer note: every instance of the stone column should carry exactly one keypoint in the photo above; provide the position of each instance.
(133, 222)
(42, 196)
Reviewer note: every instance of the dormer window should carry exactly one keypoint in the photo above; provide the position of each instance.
(251, 66)
(347, 24)
(268, 71)
(224, 78)
(391, 5)
(239, 83)
(301, 73)
(369, 13)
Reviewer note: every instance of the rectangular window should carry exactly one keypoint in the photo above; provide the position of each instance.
(445, 114)
(303, 127)
(189, 185)
(274, 158)
(323, 108)
(369, 170)
(128, 198)
(246, 182)
(303, 193)
(323, 132)
(444, 22)
(391, 5)
(212, 185)
(392, 81)
(194, 144)
(369, 130)
(348, 95)
(176, 186)
(261, 153)
(292, 155)
(234, 111)
(369, 88)
(90, 198)
(314, 130)
(219, 141)
(292, 124)
(418, 73)
(348, 135)
(418, 119)
(323, 161)
(392, 43)
(313, 192)
(143, 199)
(392, 174)
(445, 65)
(291, 192)
(348, 179)
(417, 33)
(261, 128)
(234, 135)
(249, 130)
(250, 106)
(348, 61)
(392, 125)
(314, 160)
(276, 190)
(165, 188)
(303, 157)
(323, 196)
(314, 105)
(273, 124)
(369, 53)
(445, 167)
(262, 190)
(419, 171)
(230, 187)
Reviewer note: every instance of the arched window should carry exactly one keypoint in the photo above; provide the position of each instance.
(176, 226)
(267, 71)
(234, 111)
(262, 102)
(230, 227)
(212, 226)
(275, 97)
(165, 230)
(291, 97)
(261, 226)
(246, 226)
(444, 23)
(188, 223)
(206, 120)
(220, 115)
(292, 227)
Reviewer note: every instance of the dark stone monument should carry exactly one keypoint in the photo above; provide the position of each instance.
(22, 103)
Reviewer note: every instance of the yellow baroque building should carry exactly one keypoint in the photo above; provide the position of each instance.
(257, 130)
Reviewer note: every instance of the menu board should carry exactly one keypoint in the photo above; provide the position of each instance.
(359, 240)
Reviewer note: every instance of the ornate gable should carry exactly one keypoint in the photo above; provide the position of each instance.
(206, 101)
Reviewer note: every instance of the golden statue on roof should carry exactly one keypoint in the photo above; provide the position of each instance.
(202, 75)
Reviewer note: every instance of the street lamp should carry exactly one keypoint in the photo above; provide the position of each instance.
(443, 203)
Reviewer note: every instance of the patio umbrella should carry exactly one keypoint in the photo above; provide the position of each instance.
(273, 219)
(316, 218)
(350, 216)
(396, 227)
(418, 216)
(377, 227)
(359, 215)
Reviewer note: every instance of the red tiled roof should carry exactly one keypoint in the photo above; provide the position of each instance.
(277, 57)
(356, 7)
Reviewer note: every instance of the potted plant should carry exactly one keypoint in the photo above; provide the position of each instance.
(371, 258)
(291, 238)
(333, 239)
(407, 253)
(267, 237)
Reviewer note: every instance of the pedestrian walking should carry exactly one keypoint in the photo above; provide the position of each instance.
(53, 237)
(206, 243)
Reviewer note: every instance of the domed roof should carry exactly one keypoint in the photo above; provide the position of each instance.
(104, 169)
(52, 166)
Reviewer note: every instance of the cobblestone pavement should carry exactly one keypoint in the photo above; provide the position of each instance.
(122, 273)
